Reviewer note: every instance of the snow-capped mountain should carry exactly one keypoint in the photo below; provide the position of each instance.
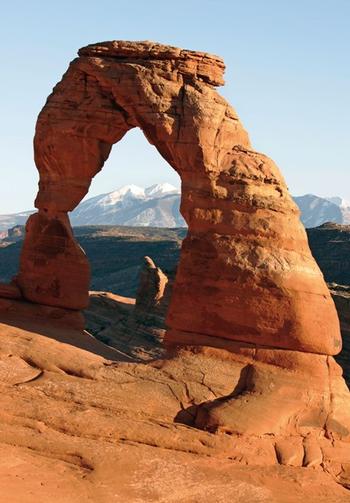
(316, 210)
(157, 206)
(344, 206)
(339, 201)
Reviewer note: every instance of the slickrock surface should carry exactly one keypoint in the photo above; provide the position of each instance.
(136, 327)
(140, 334)
(114, 320)
(249, 377)
(75, 426)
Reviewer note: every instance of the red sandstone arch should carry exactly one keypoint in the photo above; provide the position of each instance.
(246, 272)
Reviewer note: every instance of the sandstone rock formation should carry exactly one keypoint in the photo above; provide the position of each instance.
(251, 328)
(139, 334)
(114, 320)
(77, 425)
(136, 327)
(246, 272)
(152, 287)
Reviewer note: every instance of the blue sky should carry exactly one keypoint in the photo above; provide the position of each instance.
(288, 76)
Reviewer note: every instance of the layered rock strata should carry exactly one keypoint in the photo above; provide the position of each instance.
(77, 424)
(247, 284)
(246, 272)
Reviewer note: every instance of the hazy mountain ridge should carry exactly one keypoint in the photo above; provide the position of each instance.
(316, 210)
(158, 206)
(8, 221)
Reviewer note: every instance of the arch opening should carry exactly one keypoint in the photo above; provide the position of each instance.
(246, 273)
(147, 194)
(132, 161)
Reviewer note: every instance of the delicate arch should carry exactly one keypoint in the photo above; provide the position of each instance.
(246, 272)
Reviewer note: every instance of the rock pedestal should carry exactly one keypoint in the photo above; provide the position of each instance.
(152, 288)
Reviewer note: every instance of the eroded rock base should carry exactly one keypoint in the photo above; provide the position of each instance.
(293, 407)
(117, 430)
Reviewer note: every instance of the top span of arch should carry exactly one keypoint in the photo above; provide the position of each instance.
(201, 65)
(112, 87)
(246, 273)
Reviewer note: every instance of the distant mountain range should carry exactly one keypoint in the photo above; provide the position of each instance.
(158, 206)
(154, 206)
(316, 210)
